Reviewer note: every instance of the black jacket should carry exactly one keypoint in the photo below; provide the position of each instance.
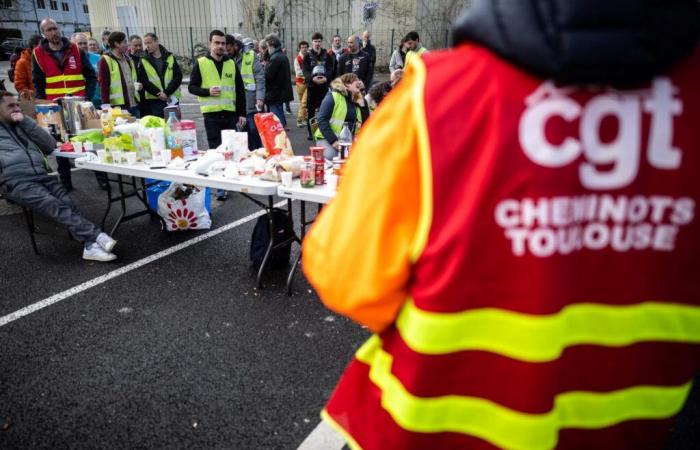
(585, 41)
(278, 79)
(195, 86)
(311, 60)
(39, 77)
(358, 63)
(150, 87)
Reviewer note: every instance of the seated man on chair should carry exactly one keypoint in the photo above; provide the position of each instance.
(24, 179)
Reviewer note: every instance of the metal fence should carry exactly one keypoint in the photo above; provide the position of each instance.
(191, 42)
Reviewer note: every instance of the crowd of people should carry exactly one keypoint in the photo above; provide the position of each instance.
(530, 245)
(236, 79)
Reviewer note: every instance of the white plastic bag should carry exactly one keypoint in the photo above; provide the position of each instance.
(182, 208)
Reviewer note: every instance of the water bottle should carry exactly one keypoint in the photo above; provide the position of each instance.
(345, 140)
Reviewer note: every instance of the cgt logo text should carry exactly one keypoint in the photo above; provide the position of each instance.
(624, 152)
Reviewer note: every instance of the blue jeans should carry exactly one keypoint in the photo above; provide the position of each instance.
(278, 109)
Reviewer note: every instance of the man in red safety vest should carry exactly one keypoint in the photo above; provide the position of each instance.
(60, 69)
(529, 242)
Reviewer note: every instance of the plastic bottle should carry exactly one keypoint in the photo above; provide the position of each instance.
(172, 140)
(106, 122)
(345, 141)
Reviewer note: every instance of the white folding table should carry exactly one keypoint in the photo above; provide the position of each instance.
(246, 186)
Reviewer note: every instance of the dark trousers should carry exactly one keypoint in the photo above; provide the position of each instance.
(45, 195)
(254, 141)
(64, 172)
(314, 98)
(154, 107)
(215, 122)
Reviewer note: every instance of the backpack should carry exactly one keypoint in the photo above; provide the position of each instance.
(284, 231)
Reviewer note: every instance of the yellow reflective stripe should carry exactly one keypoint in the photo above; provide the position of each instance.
(60, 78)
(425, 166)
(63, 90)
(352, 443)
(216, 102)
(542, 338)
(508, 428)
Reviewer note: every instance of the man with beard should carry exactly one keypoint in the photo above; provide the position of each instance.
(59, 69)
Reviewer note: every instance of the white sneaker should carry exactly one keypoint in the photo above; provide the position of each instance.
(94, 252)
(106, 241)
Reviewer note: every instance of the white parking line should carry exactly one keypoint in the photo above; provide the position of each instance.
(128, 268)
(322, 438)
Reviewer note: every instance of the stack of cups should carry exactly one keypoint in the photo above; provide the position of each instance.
(317, 154)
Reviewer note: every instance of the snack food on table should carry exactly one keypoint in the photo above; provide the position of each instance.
(272, 134)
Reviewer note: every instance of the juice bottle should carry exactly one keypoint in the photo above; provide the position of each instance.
(106, 122)
(172, 141)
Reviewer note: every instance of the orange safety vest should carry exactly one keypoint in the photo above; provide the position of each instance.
(512, 337)
(59, 83)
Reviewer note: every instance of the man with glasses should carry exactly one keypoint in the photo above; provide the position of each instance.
(59, 69)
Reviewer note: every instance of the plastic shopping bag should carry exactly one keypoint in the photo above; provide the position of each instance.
(182, 207)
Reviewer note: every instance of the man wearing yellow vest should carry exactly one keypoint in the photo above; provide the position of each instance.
(217, 83)
(160, 75)
(253, 75)
(59, 69)
(524, 237)
(118, 78)
(412, 42)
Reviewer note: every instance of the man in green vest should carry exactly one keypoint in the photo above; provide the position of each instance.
(119, 85)
(161, 76)
(218, 85)
(253, 76)
(412, 42)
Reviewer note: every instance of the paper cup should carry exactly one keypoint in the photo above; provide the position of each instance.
(130, 158)
(102, 155)
(88, 146)
(167, 155)
(286, 179)
(78, 147)
(117, 156)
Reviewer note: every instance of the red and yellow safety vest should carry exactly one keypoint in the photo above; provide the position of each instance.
(59, 83)
(529, 260)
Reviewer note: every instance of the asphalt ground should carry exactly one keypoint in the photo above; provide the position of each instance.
(180, 352)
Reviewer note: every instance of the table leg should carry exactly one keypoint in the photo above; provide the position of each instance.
(109, 200)
(122, 203)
